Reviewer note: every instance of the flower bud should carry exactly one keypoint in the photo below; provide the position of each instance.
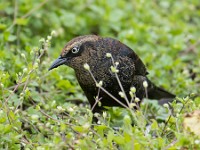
(166, 105)
(145, 84)
(104, 114)
(53, 33)
(99, 103)
(42, 40)
(137, 99)
(38, 60)
(23, 55)
(197, 142)
(49, 37)
(21, 94)
(2, 85)
(86, 66)
(34, 117)
(121, 94)
(116, 63)
(99, 84)
(114, 69)
(131, 105)
(25, 70)
(60, 108)
(70, 109)
(32, 52)
(133, 89)
(131, 94)
(192, 95)
(35, 65)
(108, 55)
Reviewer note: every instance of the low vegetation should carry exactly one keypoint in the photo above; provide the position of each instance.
(48, 110)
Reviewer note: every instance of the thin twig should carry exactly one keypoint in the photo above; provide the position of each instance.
(119, 82)
(104, 90)
(97, 99)
(166, 123)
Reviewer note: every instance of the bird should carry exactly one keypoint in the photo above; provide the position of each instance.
(113, 64)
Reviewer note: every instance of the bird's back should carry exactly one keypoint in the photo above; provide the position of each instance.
(122, 50)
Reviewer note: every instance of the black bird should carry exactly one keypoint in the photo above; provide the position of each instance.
(96, 51)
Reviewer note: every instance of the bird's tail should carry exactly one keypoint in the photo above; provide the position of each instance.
(158, 93)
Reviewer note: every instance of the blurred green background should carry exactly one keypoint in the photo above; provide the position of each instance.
(165, 34)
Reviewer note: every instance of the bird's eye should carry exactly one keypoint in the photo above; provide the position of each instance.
(75, 50)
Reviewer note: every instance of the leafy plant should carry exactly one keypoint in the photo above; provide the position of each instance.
(47, 110)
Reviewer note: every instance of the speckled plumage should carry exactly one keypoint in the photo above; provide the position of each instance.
(92, 50)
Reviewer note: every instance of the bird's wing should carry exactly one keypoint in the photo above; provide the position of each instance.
(140, 68)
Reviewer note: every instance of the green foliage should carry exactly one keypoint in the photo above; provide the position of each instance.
(37, 109)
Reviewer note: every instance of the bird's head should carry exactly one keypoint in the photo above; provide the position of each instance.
(76, 52)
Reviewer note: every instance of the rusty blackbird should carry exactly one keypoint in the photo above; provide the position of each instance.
(97, 51)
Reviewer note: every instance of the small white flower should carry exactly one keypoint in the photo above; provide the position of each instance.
(131, 94)
(25, 70)
(96, 115)
(60, 108)
(104, 114)
(86, 66)
(53, 33)
(12, 108)
(36, 49)
(2, 85)
(137, 99)
(197, 141)
(42, 40)
(116, 63)
(70, 109)
(35, 65)
(34, 117)
(47, 124)
(99, 103)
(49, 37)
(114, 69)
(23, 55)
(108, 55)
(99, 84)
(121, 94)
(145, 84)
(192, 94)
(131, 105)
(133, 89)
(32, 52)
(166, 105)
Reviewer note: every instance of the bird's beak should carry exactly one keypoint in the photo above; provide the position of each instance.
(59, 61)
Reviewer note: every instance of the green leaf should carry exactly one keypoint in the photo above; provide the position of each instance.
(21, 21)
(2, 26)
(79, 129)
